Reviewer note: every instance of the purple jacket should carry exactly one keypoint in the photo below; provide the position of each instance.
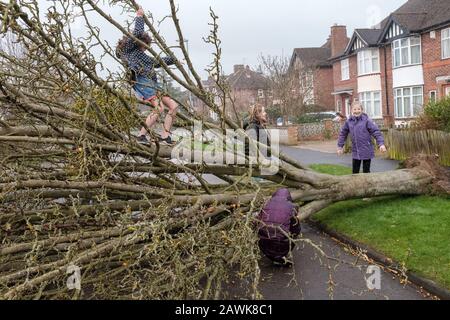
(361, 129)
(279, 212)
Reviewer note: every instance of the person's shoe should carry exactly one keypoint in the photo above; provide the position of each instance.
(166, 141)
(142, 139)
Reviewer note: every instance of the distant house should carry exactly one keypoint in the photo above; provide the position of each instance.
(398, 66)
(315, 74)
(246, 86)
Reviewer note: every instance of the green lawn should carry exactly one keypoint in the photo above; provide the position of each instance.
(411, 230)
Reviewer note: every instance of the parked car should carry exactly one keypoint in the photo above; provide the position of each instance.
(289, 121)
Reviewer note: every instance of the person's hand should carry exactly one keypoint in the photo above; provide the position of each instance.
(140, 12)
(383, 149)
(340, 151)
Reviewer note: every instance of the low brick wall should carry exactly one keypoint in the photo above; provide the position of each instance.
(317, 131)
(324, 130)
(288, 134)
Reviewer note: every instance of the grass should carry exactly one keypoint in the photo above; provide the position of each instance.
(331, 169)
(413, 230)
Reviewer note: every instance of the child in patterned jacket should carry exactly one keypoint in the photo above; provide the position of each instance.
(144, 79)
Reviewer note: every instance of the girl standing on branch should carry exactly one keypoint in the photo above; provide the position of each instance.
(144, 79)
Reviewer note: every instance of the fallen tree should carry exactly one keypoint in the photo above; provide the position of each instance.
(78, 192)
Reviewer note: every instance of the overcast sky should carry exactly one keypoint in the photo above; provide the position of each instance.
(249, 28)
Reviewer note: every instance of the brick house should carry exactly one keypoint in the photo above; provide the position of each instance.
(313, 62)
(247, 87)
(396, 68)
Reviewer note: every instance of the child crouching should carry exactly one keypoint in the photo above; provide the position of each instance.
(278, 222)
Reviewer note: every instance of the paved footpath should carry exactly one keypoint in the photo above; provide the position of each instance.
(310, 154)
(310, 276)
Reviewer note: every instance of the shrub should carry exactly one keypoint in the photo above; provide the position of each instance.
(436, 116)
(111, 109)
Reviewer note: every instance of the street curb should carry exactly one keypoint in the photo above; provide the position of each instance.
(428, 285)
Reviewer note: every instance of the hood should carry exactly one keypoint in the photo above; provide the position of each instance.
(282, 193)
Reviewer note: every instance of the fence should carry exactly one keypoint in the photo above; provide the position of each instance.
(405, 143)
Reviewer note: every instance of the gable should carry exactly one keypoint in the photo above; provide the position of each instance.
(393, 31)
(357, 44)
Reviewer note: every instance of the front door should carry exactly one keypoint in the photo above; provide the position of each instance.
(347, 107)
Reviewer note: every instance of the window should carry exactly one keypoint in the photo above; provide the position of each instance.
(408, 102)
(260, 93)
(371, 102)
(345, 69)
(445, 35)
(433, 96)
(406, 52)
(368, 61)
(339, 105)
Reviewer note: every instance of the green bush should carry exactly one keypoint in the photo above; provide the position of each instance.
(436, 116)
(274, 112)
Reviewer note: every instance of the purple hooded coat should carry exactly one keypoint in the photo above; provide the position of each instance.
(279, 212)
(361, 129)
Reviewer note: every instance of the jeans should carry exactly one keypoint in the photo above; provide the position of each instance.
(357, 165)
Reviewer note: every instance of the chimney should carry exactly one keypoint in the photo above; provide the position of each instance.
(238, 67)
(339, 39)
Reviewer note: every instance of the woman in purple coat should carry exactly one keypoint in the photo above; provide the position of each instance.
(361, 130)
(277, 220)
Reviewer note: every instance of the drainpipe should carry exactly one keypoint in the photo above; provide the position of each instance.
(385, 83)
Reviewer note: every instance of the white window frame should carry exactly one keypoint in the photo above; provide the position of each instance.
(368, 55)
(435, 95)
(445, 40)
(397, 45)
(345, 69)
(447, 92)
(369, 96)
(339, 105)
(402, 97)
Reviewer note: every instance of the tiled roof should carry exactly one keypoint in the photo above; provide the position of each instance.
(419, 15)
(246, 78)
(313, 57)
(370, 36)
